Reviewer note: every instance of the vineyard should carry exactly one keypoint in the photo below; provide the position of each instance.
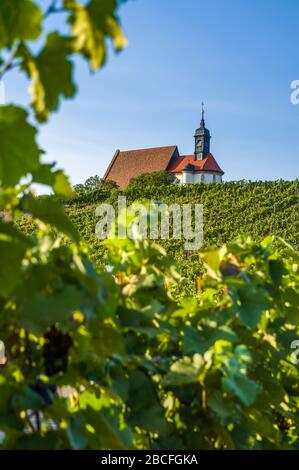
(231, 210)
(129, 343)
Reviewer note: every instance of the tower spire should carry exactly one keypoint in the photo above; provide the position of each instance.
(202, 138)
(202, 123)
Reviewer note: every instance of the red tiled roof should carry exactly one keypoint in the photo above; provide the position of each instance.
(207, 164)
(132, 163)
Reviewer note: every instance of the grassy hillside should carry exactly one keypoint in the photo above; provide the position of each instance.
(230, 209)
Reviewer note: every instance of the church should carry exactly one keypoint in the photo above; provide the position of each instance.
(199, 167)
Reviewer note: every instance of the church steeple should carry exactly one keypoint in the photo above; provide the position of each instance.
(202, 122)
(202, 138)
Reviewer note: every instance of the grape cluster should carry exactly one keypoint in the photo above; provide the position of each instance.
(55, 351)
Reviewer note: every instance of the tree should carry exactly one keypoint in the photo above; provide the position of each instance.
(93, 183)
(79, 188)
(156, 178)
(108, 185)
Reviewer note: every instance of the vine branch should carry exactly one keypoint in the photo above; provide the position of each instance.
(9, 64)
(53, 9)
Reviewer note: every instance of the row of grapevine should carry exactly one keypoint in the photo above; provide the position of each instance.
(255, 209)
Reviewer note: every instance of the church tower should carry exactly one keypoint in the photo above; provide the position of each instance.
(202, 139)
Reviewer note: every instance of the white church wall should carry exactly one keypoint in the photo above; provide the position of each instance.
(208, 178)
(187, 177)
(204, 177)
(197, 178)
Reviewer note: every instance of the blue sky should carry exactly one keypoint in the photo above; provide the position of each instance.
(238, 56)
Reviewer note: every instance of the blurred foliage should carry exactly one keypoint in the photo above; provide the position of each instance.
(83, 346)
(111, 359)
